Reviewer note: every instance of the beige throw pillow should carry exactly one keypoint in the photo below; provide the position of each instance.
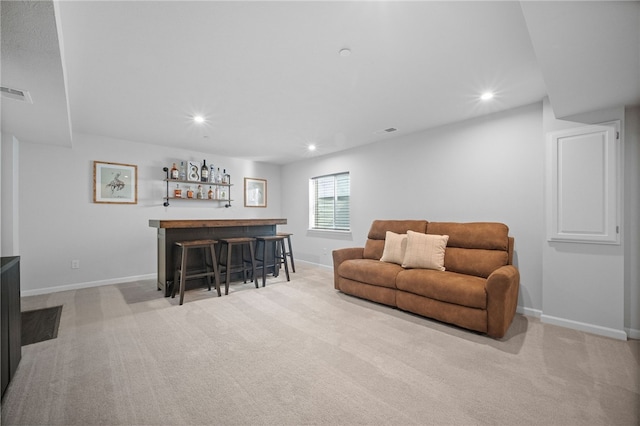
(425, 251)
(394, 247)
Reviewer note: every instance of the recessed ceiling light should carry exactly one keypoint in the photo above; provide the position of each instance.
(486, 96)
(311, 147)
(345, 52)
(198, 119)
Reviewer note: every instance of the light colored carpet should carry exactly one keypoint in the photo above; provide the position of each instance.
(301, 353)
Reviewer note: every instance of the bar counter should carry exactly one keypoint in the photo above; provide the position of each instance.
(170, 231)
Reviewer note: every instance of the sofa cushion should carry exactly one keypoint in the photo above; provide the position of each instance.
(451, 287)
(425, 251)
(477, 248)
(370, 271)
(394, 248)
(374, 245)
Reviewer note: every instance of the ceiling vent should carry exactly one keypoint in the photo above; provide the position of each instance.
(389, 130)
(17, 94)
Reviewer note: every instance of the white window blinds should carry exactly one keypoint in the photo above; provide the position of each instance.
(330, 202)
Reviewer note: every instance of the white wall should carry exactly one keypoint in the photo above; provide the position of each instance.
(114, 243)
(631, 235)
(583, 284)
(9, 201)
(487, 169)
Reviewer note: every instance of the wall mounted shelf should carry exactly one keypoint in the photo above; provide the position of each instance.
(226, 186)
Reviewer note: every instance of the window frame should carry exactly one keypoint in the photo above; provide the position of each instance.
(338, 202)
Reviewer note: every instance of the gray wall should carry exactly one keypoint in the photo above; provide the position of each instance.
(59, 222)
(488, 169)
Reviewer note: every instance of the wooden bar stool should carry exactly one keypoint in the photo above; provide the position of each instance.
(289, 252)
(181, 274)
(225, 260)
(278, 255)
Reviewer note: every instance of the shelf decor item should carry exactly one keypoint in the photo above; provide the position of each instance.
(255, 192)
(115, 183)
(220, 193)
(193, 171)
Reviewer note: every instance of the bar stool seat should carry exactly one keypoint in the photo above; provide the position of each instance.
(278, 255)
(181, 274)
(289, 250)
(226, 261)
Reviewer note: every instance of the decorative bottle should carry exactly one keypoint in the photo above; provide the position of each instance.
(204, 172)
(226, 178)
(200, 194)
(174, 172)
(183, 171)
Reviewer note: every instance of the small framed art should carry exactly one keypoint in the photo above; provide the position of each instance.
(255, 192)
(115, 183)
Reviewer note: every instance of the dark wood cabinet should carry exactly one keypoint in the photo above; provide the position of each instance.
(11, 318)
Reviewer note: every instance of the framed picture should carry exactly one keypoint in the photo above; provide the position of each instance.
(115, 183)
(255, 192)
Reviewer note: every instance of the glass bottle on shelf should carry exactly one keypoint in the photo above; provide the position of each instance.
(177, 193)
(189, 192)
(223, 192)
(200, 194)
(183, 171)
(204, 172)
(212, 174)
(210, 194)
(218, 176)
(226, 178)
(175, 174)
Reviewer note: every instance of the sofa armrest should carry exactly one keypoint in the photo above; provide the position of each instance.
(502, 299)
(340, 256)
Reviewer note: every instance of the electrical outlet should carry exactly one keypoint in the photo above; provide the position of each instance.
(75, 264)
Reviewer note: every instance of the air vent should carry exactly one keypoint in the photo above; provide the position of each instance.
(388, 130)
(17, 94)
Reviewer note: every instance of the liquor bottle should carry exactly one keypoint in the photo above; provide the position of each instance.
(223, 192)
(212, 174)
(226, 178)
(204, 172)
(183, 171)
(174, 172)
(200, 194)
(189, 192)
(177, 193)
(210, 194)
(218, 176)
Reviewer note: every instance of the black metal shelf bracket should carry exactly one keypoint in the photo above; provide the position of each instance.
(166, 202)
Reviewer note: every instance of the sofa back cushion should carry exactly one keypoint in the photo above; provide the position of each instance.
(374, 246)
(474, 248)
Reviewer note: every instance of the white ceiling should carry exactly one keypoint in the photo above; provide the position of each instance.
(269, 79)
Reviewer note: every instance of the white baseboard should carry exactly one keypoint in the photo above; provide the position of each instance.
(529, 311)
(581, 326)
(633, 333)
(86, 285)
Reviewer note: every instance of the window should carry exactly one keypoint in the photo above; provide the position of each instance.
(329, 199)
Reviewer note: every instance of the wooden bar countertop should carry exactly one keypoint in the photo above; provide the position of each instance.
(213, 223)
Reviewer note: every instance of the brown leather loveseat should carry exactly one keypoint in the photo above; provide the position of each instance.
(471, 283)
